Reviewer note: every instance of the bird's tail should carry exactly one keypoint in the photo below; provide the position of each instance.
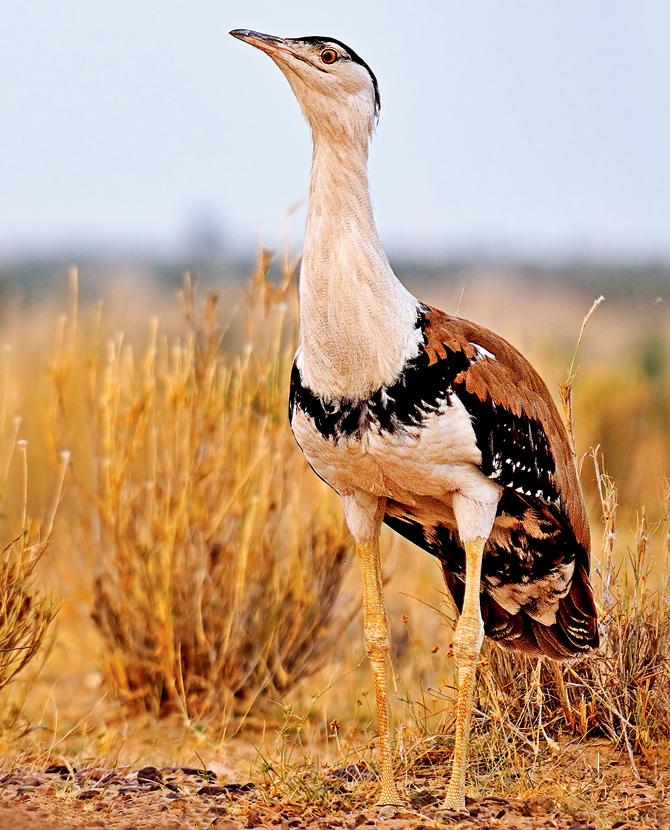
(574, 633)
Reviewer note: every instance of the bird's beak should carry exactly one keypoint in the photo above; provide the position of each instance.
(266, 43)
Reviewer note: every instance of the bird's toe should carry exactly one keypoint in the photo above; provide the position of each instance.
(386, 811)
(454, 805)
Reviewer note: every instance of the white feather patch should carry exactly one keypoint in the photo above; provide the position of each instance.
(481, 352)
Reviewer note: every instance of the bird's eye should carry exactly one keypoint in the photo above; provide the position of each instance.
(329, 56)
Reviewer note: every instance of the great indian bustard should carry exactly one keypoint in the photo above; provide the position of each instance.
(423, 421)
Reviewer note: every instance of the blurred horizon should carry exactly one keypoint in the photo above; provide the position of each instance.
(522, 134)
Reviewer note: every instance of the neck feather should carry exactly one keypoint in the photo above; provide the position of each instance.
(358, 322)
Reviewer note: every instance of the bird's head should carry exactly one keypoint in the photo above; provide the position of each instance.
(336, 89)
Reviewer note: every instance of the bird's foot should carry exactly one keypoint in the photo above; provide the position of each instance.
(455, 803)
(388, 804)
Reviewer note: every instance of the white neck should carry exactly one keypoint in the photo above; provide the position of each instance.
(357, 321)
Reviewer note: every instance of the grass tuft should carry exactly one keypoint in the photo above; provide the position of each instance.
(218, 565)
(26, 612)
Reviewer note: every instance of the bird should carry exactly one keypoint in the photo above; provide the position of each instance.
(424, 421)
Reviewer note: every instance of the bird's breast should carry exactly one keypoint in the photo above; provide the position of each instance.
(386, 448)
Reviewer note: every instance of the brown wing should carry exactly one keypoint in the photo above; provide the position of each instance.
(525, 448)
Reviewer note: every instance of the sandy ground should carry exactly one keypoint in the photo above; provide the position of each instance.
(60, 798)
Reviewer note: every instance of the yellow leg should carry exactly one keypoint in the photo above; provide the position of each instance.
(377, 642)
(467, 644)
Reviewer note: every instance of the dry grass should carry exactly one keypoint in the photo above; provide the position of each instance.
(26, 613)
(217, 569)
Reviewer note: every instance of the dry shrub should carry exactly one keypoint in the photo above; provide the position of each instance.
(26, 613)
(218, 561)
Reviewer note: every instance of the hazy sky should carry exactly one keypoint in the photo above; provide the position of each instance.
(518, 124)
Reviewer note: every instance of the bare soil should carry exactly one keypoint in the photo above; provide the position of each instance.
(591, 796)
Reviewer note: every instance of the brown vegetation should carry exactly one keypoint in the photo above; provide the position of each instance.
(26, 613)
(217, 569)
(199, 564)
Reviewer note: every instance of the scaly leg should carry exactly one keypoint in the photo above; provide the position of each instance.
(377, 642)
(467, 644)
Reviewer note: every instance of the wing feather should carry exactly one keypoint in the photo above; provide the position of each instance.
(504, 393)
(525, 448)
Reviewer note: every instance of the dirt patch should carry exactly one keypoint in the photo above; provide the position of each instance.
(171, 798)
(16, 819)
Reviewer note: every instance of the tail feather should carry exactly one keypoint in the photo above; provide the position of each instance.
(574, 633)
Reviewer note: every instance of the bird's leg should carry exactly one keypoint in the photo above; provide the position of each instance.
(467, 644)
(377, 642)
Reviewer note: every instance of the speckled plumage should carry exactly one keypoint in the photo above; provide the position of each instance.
(469, 412)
